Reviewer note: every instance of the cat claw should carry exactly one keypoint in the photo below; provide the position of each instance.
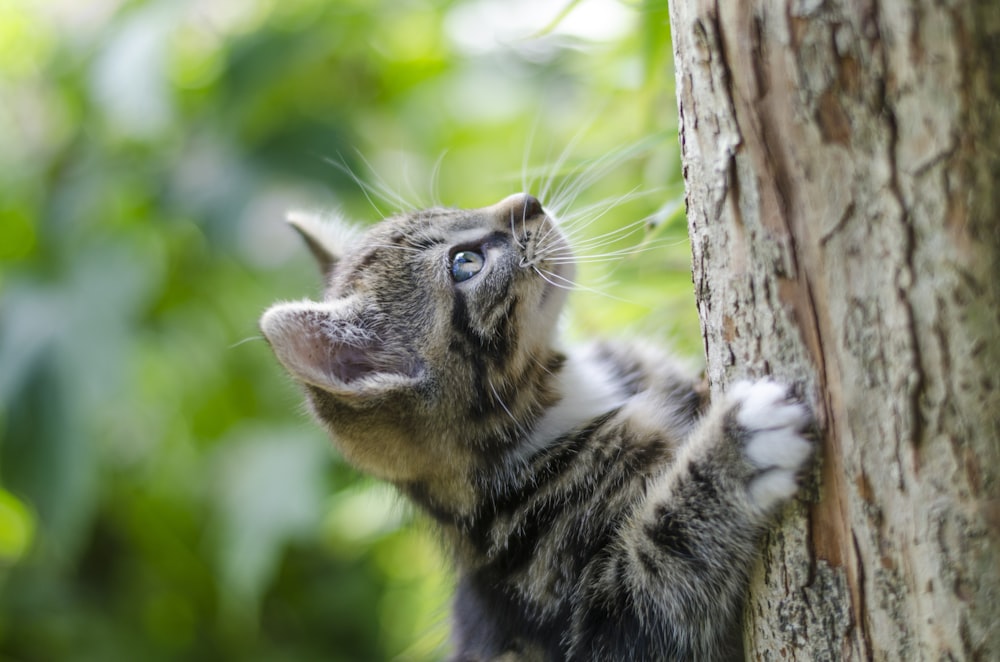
(774, 422)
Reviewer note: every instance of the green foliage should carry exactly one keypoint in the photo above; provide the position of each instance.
(162, 493)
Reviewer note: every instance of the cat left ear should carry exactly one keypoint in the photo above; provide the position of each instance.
(328, 236)
(328, 346)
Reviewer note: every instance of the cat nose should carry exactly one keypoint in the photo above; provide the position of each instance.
(520, 206)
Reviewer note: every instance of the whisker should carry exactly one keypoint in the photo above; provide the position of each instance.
(608, 238)
(378, 188)
(650, 224)
(513, 233)
(528, 143)
(533, 357)
(559, 163)
(544, 275)
(572, 286)
(499, 400)
(611, 237)
(595, 170)
(245, 340)
(383, 190)
(587, 217)
(613, 256)
(364, 187)
(595, 260)
(577, 178)
(575, 223)
(436, 179)
(408, 183)
(577, 216)
(586, 174)
(397, 247)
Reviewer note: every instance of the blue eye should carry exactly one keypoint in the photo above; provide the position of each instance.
(465, 265)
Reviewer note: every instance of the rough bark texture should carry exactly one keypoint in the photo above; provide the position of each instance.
(842, 160)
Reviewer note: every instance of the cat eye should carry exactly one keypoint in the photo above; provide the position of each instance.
(466, 264)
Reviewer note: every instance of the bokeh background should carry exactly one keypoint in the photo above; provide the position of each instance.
(163, 494)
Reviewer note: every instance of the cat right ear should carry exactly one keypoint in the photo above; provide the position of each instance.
(329, 236)
(328, 346)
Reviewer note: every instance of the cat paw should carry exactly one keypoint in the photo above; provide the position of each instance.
(773, 422)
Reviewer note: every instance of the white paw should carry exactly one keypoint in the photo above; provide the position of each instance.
(775, 444)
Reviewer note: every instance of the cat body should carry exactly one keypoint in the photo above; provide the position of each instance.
(597, 506)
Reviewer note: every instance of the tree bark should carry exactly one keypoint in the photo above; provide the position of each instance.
(842, 163)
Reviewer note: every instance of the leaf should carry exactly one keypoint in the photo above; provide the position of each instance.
(269, 490)
(17, 528)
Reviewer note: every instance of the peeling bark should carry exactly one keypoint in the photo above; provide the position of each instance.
(842, 162)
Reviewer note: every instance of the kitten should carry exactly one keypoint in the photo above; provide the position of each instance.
(596, 505)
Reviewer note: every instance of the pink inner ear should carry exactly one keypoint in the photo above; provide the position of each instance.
(348, 363)
(331, 349)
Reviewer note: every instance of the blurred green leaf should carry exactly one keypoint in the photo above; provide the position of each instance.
(269, 491)
(17, 528)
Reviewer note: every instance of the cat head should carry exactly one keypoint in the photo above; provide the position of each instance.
(435, 335)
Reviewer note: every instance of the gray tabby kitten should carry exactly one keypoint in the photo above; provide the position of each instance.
(597, 506)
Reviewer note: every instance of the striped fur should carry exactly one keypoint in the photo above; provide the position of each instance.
(597, 507)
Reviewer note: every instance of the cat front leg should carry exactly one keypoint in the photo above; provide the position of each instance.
(679, 571)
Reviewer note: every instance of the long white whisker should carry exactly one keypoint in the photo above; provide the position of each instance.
(383, 190)
(611, 255)
(576, 226)
(594, 171)
(408, 183)
(575, 223)
(650, 223)
(571, 187)
(435, 179)
(397, 247)
(573, 184)
(544, 275)
(513, 233)
(612, 236)
(365, 188)
(606, 239)
(529, 142)
(552, 279)
(245, 340)
(581, 216)
(609, 237)
(559, 163)
(524, 219)
(496, 395)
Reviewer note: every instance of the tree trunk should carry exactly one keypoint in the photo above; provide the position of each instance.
(842, 162)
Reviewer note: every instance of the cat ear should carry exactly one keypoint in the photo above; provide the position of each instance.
(328, 346)
(328, 236)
